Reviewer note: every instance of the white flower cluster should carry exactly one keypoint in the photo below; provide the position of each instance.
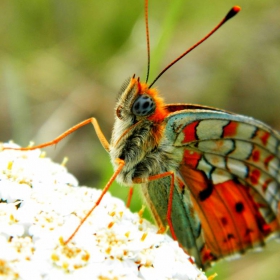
(41, 205)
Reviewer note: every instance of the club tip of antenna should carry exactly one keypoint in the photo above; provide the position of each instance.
(234, 10)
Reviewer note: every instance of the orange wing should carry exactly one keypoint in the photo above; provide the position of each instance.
(230, 166)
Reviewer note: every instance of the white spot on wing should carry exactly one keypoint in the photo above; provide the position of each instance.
(210, 129)
(272, 190)
(216, 161)
(272, 143)
(220, 147)
(237, 168)
(220, 176)
(205, 167)
(273, 166)
(244, 131)
(242, 150)
(274, 205)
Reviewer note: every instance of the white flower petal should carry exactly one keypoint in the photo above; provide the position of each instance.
(42, 206)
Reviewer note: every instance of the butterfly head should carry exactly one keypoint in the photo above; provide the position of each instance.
(137, 101)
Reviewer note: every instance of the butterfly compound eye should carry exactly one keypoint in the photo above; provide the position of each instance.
(144, 105)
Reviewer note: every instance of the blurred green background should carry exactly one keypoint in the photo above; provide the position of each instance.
(64, 61)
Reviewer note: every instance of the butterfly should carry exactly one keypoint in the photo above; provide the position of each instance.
(211, 176)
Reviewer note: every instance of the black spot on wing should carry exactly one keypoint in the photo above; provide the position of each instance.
(224, 221)
(239, 207)
(206, 193)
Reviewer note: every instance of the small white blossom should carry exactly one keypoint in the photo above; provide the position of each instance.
(41, 206)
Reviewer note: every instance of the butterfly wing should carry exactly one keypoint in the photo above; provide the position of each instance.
(184, 218)
(229, 174)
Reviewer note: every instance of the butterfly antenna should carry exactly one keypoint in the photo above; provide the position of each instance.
(147, 40)
(229, 15)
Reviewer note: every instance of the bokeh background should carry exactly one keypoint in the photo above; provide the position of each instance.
(64, 61)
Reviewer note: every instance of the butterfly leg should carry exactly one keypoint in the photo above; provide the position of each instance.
(106, 188)
(171, 192)
(129, 197)
(93, 121)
